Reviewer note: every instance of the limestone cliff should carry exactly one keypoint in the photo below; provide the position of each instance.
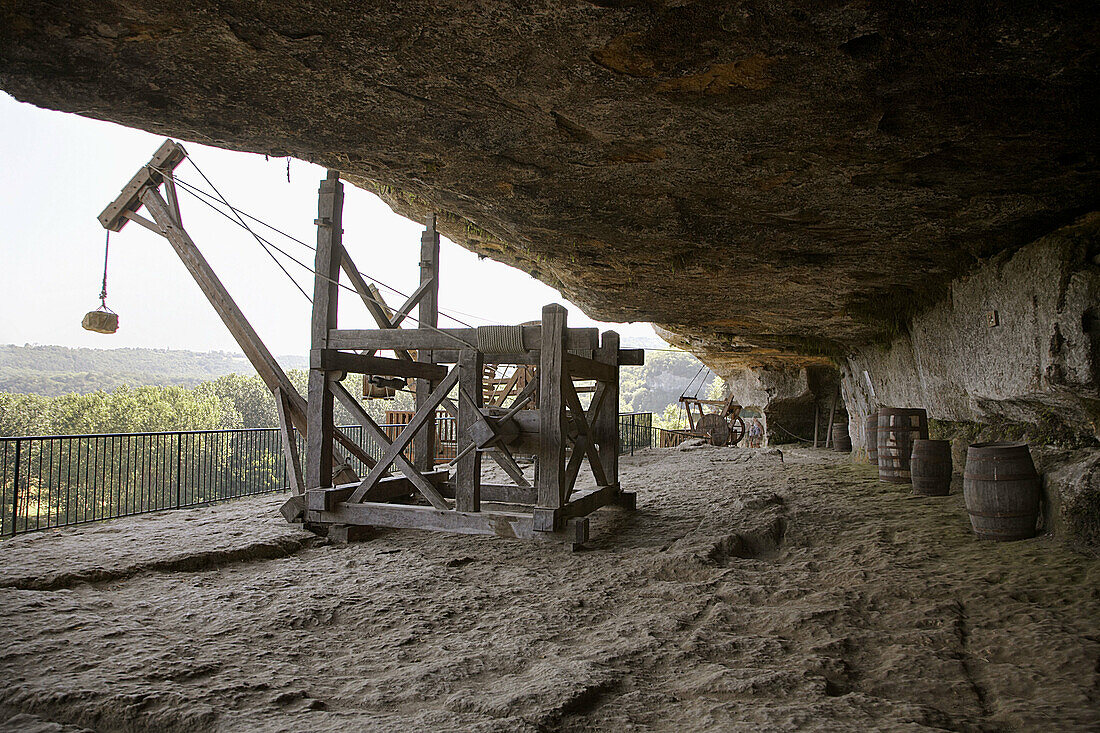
(773, 181)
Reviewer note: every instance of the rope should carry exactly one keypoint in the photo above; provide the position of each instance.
(325, 277)
(500, 339)
(788, 432)
(259, 241)
(106, 253)
(701, 368)
(201, 195)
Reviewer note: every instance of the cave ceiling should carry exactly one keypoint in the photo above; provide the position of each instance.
(766, 180)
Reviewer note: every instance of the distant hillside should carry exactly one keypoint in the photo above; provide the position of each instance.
(57, 370)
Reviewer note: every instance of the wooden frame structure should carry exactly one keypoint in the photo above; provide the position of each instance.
(545, 417)
(723, 427)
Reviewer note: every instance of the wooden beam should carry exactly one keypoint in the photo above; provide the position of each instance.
(378, 436)
(605, 422)
(498, 493)
(169, 155)
(631, 357)
(326, 292)
(581, 368)
(424, 447)
(414, 299)
(450, 339)
(416, 422)
(551, 465)
(584, 504)
(501, 524)
(388, 488)
(246, 337)
(342, 361)
(468, 471)
(290, 444)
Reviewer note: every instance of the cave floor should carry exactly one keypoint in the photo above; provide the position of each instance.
(747, 592)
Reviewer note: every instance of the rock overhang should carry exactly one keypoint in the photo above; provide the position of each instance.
(771, 182)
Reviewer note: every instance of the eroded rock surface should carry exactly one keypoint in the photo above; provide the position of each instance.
(749, 591)
(767, 178)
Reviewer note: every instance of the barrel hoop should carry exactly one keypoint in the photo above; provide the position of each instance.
(1000, 478)
(992, 515)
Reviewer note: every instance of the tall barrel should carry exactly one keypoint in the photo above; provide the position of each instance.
(870, 433)
(930, 466)
(1001, 491)
(898, 427)
(842, 442)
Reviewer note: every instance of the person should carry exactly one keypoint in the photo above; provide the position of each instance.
(756, 433)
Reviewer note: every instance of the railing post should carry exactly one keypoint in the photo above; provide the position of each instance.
(179, 467)
(15, 487)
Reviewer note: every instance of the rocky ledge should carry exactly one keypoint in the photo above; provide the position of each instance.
(772, 181)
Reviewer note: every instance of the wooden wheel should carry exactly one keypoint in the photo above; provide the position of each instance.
(716, 428)
(737, 430)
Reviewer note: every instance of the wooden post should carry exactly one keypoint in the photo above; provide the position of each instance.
(468, 475)
(606, 427)
(551, 468)
(319, 432)
(832, 413)
(424, 445)
(817, 421)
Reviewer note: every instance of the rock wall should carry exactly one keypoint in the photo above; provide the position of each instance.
(1018, 341)
(1012, 353)
(787, 397)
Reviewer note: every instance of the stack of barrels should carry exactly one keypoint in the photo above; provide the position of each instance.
(1001, 487)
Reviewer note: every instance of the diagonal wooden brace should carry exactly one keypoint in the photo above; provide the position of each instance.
(394, 449)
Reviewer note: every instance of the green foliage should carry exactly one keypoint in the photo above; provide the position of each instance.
(125, 410)
(660, 381)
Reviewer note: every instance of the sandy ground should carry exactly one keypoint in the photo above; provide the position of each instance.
(749, 591)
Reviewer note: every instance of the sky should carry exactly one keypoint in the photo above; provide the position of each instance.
(57, 173)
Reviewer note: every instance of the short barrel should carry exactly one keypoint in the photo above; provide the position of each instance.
(870, 432)
(1001, 490)
(930, 466)
(842, 442)
(898, 427)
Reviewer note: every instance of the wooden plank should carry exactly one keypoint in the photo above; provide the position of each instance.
(418, 421)
(326, 292)
(403, 312)
(450, 339)
(376, 434)
(580, 421)
(630, 357)
(498, 493)
(551, 465)
(389, 487)
(581, 368)
(290, 444)
(468, 471)
(343, 361)
(584, 504)
(501, 524)
(424, 446)
(605, 422)
(169, 155)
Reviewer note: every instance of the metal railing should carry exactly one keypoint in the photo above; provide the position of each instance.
(57, 480)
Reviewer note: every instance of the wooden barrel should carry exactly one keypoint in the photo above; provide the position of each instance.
(898, 427)
(930, 466)
(870, 433)
(1001, 491)
(842, 442)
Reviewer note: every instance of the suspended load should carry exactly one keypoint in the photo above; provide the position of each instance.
(102, 319)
